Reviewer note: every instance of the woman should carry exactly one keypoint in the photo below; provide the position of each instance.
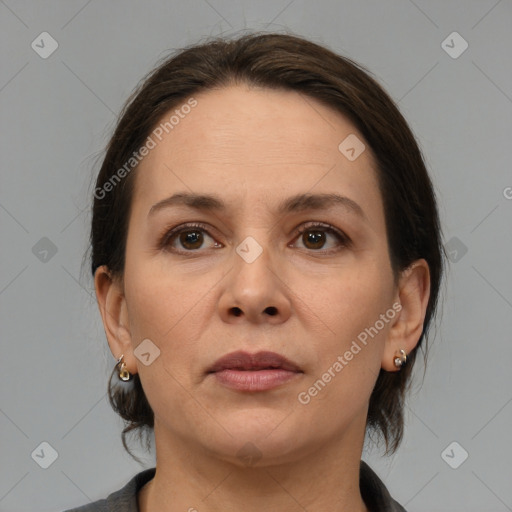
(267, 259)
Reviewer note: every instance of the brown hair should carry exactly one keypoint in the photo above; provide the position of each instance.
(291, 63)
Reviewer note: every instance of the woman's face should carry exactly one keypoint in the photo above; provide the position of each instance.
(247, 280)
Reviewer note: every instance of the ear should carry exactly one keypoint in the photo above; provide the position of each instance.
(112, 305)
(413, 293)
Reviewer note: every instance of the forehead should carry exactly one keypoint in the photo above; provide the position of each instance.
(256, 141)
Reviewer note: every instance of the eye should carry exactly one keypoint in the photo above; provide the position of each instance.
(190, 237)
(314, 236)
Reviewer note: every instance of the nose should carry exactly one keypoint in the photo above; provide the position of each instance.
(255, 292)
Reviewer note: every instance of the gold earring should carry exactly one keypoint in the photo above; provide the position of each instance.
(400, 358)
(124, 374)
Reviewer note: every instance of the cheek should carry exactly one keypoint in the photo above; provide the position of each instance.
(349, 350)
(348, 357)
(350, 300)
(173, 311)
(164, 310)
(161, 301)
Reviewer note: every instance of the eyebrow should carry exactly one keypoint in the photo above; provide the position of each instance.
(297, 203)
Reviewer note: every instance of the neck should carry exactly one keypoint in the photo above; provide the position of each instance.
(188, 478)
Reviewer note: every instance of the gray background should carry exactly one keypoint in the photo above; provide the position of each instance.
(56, 116)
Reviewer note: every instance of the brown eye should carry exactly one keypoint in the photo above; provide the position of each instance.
(315, 236)
(313, 239)
(191, 240)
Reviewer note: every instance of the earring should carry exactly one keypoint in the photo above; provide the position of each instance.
(124, 374)
(400, 358)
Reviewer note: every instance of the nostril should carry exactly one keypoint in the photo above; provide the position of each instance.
(237, 311)
(272, 311)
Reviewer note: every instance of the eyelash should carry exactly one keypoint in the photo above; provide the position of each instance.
(311, 226)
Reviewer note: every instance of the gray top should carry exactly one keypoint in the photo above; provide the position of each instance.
(373, 491)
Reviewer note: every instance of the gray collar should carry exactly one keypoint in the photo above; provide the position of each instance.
(373, 491)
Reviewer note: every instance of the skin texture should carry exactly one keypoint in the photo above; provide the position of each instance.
(254, 148)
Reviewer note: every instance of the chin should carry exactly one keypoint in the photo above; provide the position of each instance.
(258, 438)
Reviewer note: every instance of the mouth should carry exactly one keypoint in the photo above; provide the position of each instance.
(254, 372)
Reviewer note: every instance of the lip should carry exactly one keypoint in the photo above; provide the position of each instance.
(254, 372)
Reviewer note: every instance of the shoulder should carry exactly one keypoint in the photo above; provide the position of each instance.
(374, 492)
(97, 506)
(124, 499)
